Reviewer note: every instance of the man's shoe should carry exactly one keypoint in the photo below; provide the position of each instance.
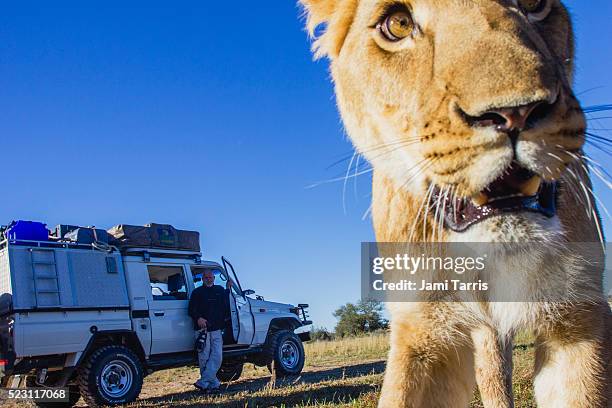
(200, 388)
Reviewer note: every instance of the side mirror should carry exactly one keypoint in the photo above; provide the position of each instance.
(248, 292)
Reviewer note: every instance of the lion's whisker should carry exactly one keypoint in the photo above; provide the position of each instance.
(454, 200)
(599, 171)
(347, 174)
(579, 183)
(598, 147)
(599, 230)
(355, 179)
(600, 118)
(438, 217)
(435, 223)
(589, 90)
(416, 218)
(597, 108)
(600, 202)
(601, 139)
(334, 180)
(586, 194)
(600, 176)
(427, 163)
(348, 170)
(555, 157)
(427, 208)
(441, 226)
(373, 149)
(367, 212)
(592, 165)
(572, 185)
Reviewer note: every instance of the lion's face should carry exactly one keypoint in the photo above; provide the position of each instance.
(464, 101)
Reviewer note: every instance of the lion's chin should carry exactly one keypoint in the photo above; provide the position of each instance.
(517, 190)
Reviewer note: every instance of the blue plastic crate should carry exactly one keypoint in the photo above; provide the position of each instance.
(27, 231)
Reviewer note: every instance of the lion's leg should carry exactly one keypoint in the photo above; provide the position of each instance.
(493, 364)
(424, 370)
(571, 367)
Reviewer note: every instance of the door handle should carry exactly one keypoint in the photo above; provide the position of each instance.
(159, 314)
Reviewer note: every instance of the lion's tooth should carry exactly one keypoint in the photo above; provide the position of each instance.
(480, 199)
(532, 186)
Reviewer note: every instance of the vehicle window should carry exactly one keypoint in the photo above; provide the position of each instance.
(220, 278)
(167, 282)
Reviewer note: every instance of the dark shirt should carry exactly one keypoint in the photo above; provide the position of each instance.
(212, 304)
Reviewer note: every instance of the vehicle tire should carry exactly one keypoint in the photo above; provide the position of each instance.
(112, 375)
(73, 397)
(284, 348)
(230, 371)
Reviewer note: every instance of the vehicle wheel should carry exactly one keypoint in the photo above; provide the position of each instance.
(73, 397)
(286, 351)
(112, 375)
(230, 371)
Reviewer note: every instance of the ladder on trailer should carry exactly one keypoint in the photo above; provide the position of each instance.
(45, 277)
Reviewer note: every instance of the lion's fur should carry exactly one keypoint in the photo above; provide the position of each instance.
(473, 55)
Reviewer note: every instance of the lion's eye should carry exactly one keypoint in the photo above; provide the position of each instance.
(397, 25)
(536, 10)
(532, 6)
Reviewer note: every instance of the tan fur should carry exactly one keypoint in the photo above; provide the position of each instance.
(474, 55)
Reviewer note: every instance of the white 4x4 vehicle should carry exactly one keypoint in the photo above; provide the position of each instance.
(97, 319)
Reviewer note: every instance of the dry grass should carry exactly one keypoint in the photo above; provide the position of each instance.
(347, 350)
(339, 373)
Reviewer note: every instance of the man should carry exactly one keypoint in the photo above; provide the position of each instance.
(209, 308)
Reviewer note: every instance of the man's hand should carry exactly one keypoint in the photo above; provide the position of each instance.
(228, 285)
(202, 323)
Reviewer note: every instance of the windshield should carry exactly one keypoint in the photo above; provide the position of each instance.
(220, 277)
(198, 272)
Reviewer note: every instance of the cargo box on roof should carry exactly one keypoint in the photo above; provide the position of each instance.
(155, 236)
(88, 236)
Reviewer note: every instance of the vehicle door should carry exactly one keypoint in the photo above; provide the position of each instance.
(172, 329)
(246, 327)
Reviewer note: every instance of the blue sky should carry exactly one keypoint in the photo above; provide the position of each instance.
(208, 117)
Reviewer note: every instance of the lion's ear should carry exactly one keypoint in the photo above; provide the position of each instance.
(318, 12)
(336, 16)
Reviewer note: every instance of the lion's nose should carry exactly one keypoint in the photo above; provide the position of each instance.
(514, 119)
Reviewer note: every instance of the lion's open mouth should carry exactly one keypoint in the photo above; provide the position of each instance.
(517, 190)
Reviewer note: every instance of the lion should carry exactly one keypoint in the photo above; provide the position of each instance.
(466, 107)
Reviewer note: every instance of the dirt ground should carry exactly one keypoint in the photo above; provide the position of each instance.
(341, 373)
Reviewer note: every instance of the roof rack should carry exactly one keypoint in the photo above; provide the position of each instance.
(147, 253)
(56, 244)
